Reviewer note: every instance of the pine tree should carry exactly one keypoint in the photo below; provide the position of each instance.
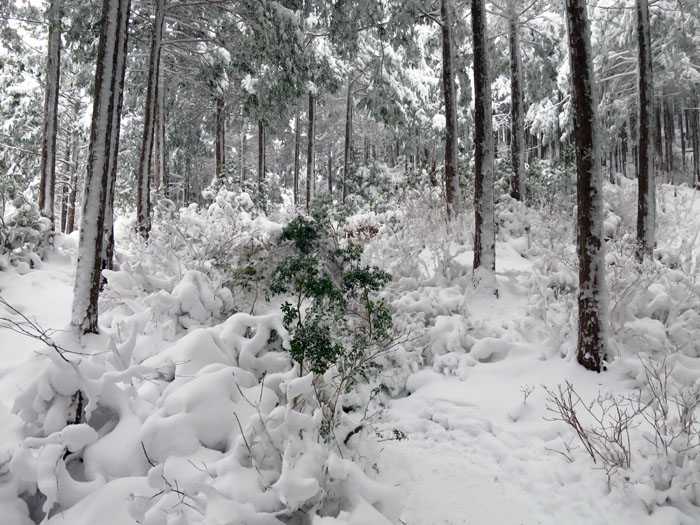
(592, 293)
(485, 234)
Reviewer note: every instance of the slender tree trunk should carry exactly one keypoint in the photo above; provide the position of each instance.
(70, 219)
(143, 183)
(485, 228)
(348, 141)
(330, 169)
(117, 103)
(669, 131)
(658, 134)
(65, 189)
(452, 190)
(680, 127)
(87, 281)
(297, 149)
(158, 131)
(591, 251)
(261, 151)
(646, 203)
(517, 188)
(241, 155)
(48, 141)
(310, 153)
(220, 133)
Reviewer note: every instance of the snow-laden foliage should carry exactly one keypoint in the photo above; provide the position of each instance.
(185, 412)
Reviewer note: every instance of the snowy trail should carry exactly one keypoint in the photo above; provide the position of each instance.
(479, 451)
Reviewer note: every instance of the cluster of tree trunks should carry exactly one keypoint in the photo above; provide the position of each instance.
(101, 162)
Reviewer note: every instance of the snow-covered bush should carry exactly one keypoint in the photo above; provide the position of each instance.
(337, 324)
(24, 235)
(220, 427)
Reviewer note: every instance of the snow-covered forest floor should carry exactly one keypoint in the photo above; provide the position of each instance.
(187, 407)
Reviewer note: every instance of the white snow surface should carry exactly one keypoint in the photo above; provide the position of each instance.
(177, 392)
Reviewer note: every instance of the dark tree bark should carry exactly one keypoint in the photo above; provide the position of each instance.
(330, 168)
(310, 153)
(646, 203)
(658, 134)
(348, 141)
(297, 149)
(669, 130)
(682, 131)
(220, 133)
(159, 166)
(261, 151)
(143, 190)
(87, 282)
(117, 103)
(517, 187)
(452, 190)
(70, 218)
(485, 230)
(48, 141)
(592, 292)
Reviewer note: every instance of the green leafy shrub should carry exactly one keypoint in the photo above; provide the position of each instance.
(334, 317)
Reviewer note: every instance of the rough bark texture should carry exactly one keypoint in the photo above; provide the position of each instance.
(87, 282)
(669, 131)
(220, 133)
(261, 151)
(485, 235)
(297, 148)
(70, 219)
(517, 119)
(117, 102)
(310, 152)
(143, 197)
(330, 169)
(159, 169)
(347, 148)
(646, 202)
(452, 192)
(48, 141)
(592, 292)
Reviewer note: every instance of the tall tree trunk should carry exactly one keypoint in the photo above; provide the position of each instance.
(48, 141)
(348, 141)
(591, 250)
(517, 188)
(70, 219)
(159, 174)
(297, 149)
(220, 133)
(143, 183)
(658, 134)
(485, 228)
(65, 190)
(310, 152)
(261, 151)
(669, 130)
(330, 169)
(241, 155)
(680, 127)
(646, 203)
(117, 102)
(452, 190)
(89, 266)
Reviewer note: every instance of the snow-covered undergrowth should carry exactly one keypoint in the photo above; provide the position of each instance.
(644, 419)
(189, 407)
(185, 409)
